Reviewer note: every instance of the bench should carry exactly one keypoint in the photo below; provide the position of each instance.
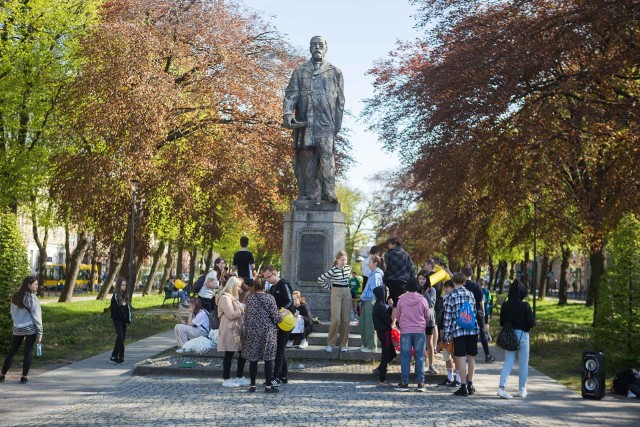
(168, 294)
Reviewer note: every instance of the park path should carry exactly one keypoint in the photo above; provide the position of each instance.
(93, 392)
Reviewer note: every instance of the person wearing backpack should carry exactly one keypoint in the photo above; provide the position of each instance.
(460, 326)
(475, 289)
(519, 314)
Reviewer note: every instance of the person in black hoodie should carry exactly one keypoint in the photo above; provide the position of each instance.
(519, 314)
(121, 315)
(283, 294)
(382, 325)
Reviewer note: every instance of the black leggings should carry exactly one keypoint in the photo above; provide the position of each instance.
(28, 353)
(268, 369)
(226, 365)
(121, 335)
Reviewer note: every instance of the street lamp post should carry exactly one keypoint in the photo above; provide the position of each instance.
(132, 279)
(536, 196)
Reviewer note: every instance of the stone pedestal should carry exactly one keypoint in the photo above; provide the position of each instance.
(313, 234)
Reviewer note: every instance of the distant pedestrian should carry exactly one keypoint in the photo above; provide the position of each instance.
(398, 269)
(431, 330)
(27, 326)
(243, 262)
(517, 312)
(230, 312)
(413, 316)
(382, 325)
(367, 331)
(337, 279)
(121, 316)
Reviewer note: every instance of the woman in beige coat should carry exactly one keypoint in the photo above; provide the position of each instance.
(231, 311)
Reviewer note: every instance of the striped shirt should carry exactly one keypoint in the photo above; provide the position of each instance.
(335, 277)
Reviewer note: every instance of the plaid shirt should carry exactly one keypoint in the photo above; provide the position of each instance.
(452, 305)
(398, 264)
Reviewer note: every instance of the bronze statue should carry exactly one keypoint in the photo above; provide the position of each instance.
(313, 108)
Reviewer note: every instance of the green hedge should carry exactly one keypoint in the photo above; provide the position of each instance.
(14, 267)
(617, 329)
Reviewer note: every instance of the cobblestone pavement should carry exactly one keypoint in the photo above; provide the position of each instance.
(166, 401)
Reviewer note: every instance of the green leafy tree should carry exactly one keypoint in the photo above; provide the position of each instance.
(13, 268)
(617, 326)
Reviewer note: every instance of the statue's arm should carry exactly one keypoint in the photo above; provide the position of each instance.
(291, 96)
(339, 101)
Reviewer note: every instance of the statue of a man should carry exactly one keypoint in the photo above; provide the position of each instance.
(313, 108)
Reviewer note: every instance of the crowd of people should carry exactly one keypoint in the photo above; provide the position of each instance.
(434, 313)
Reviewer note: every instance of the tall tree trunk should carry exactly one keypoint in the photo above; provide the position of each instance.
(512, 271)
(596, 260)
(478, 272)
(209, 261)
(74, 267)
(67, 246)
(167, 268)
(192, 266)
(544, 269)
(114, 267)
(94, 265)
(525, 271)
(40, 243)
(492, 274)
(154, 266)
(179, 256)
(564, 266)
(502, 274)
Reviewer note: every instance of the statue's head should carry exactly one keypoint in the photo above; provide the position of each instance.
(318, 48)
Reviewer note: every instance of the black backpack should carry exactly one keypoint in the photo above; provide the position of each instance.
(623, 379)
(198, 284)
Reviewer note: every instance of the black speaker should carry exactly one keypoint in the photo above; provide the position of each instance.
(593, 375)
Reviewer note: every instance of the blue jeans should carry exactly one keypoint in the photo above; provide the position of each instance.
(523, 361)
(418, 343)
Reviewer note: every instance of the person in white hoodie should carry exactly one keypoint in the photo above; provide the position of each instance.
(27, 326)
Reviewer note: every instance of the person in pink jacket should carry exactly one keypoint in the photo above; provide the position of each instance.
(413, 316)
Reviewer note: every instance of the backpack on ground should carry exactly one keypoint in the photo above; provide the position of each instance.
(198, 284)
(623, 379)
(466, 318)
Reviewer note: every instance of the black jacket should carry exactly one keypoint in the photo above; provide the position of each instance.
(381, 315)
(515, 310)
(120, 312)
(282, 292)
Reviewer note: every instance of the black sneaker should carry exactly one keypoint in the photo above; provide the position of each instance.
(24, 380)
(421, 388)
(1, 378)
(462, 391)
(445, 382)
(454, 384)
(283, 380)
(274, 383)
(402, 387)
(471, 390)
(489, 359)
(252, 389)
(113, 360)
(271, 389)
(120, 361)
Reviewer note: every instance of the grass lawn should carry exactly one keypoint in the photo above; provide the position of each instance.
(560, 336)
(78, 330)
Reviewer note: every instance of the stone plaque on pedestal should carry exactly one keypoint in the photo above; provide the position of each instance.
(313, 233)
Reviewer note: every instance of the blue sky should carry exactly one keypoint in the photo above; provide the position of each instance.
(358, 32)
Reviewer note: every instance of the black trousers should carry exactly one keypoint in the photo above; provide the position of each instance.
(226, 365)
(121, 334)
(253, 371)
(28, 353)
(483, 335)
(388, 353)
(281, 367)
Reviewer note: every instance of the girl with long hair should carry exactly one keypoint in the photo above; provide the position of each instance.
(197, 324)
(301, 309)
(121, 316)
(27, 326)
(230, 312)
(337, 278)
(367, 331)
(429, 293)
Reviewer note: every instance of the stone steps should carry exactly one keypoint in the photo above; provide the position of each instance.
(313, 352)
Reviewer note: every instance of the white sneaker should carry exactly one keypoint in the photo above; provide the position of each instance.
(344, 349)
(365, 350)
(329, 349)
(242, 381)
(289, 344)
(523, 393)
(180, 350)
(503, 394)
(303, 344)
(229, 383)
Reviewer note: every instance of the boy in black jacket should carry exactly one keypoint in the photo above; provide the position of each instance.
(382, 325)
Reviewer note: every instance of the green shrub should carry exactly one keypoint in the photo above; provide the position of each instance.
(14, 267)
(617, 331)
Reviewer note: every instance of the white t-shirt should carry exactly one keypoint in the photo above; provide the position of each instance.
(208, 292)
(201, 320)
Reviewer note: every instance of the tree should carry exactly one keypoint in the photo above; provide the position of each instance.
(14, 267)
(359, 210)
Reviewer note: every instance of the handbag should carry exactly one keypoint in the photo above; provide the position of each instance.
(507, 338)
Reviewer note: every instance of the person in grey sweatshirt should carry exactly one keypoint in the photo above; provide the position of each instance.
(27, 326)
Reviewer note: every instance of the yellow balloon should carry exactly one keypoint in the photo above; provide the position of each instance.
(288, 321)
(439, 275)
(179, 284)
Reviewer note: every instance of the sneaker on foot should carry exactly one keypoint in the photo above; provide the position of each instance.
(523, 393)
(274, 383)
(462, 391)
(365, 350)
(289, 344)
(113, 360)
(303, 344)
(120, 361)
(431, 370)
(242, 381)
(271, 390)
(402, 387)
(503, 394)
(329, 349)
(421, 388)
(471, 390)
(445, 382)
(180, 350)
(252, 389)
(344, 349)
(24, 380)
(283, 380)
(489, 359)
(229, 383)
(1, 378)
(454, 384)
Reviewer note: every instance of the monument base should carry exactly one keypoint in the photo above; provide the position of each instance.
(313, 233)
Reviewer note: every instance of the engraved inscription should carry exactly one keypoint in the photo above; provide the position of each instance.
(311, 259)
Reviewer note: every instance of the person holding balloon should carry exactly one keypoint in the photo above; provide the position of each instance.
(259, 334)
